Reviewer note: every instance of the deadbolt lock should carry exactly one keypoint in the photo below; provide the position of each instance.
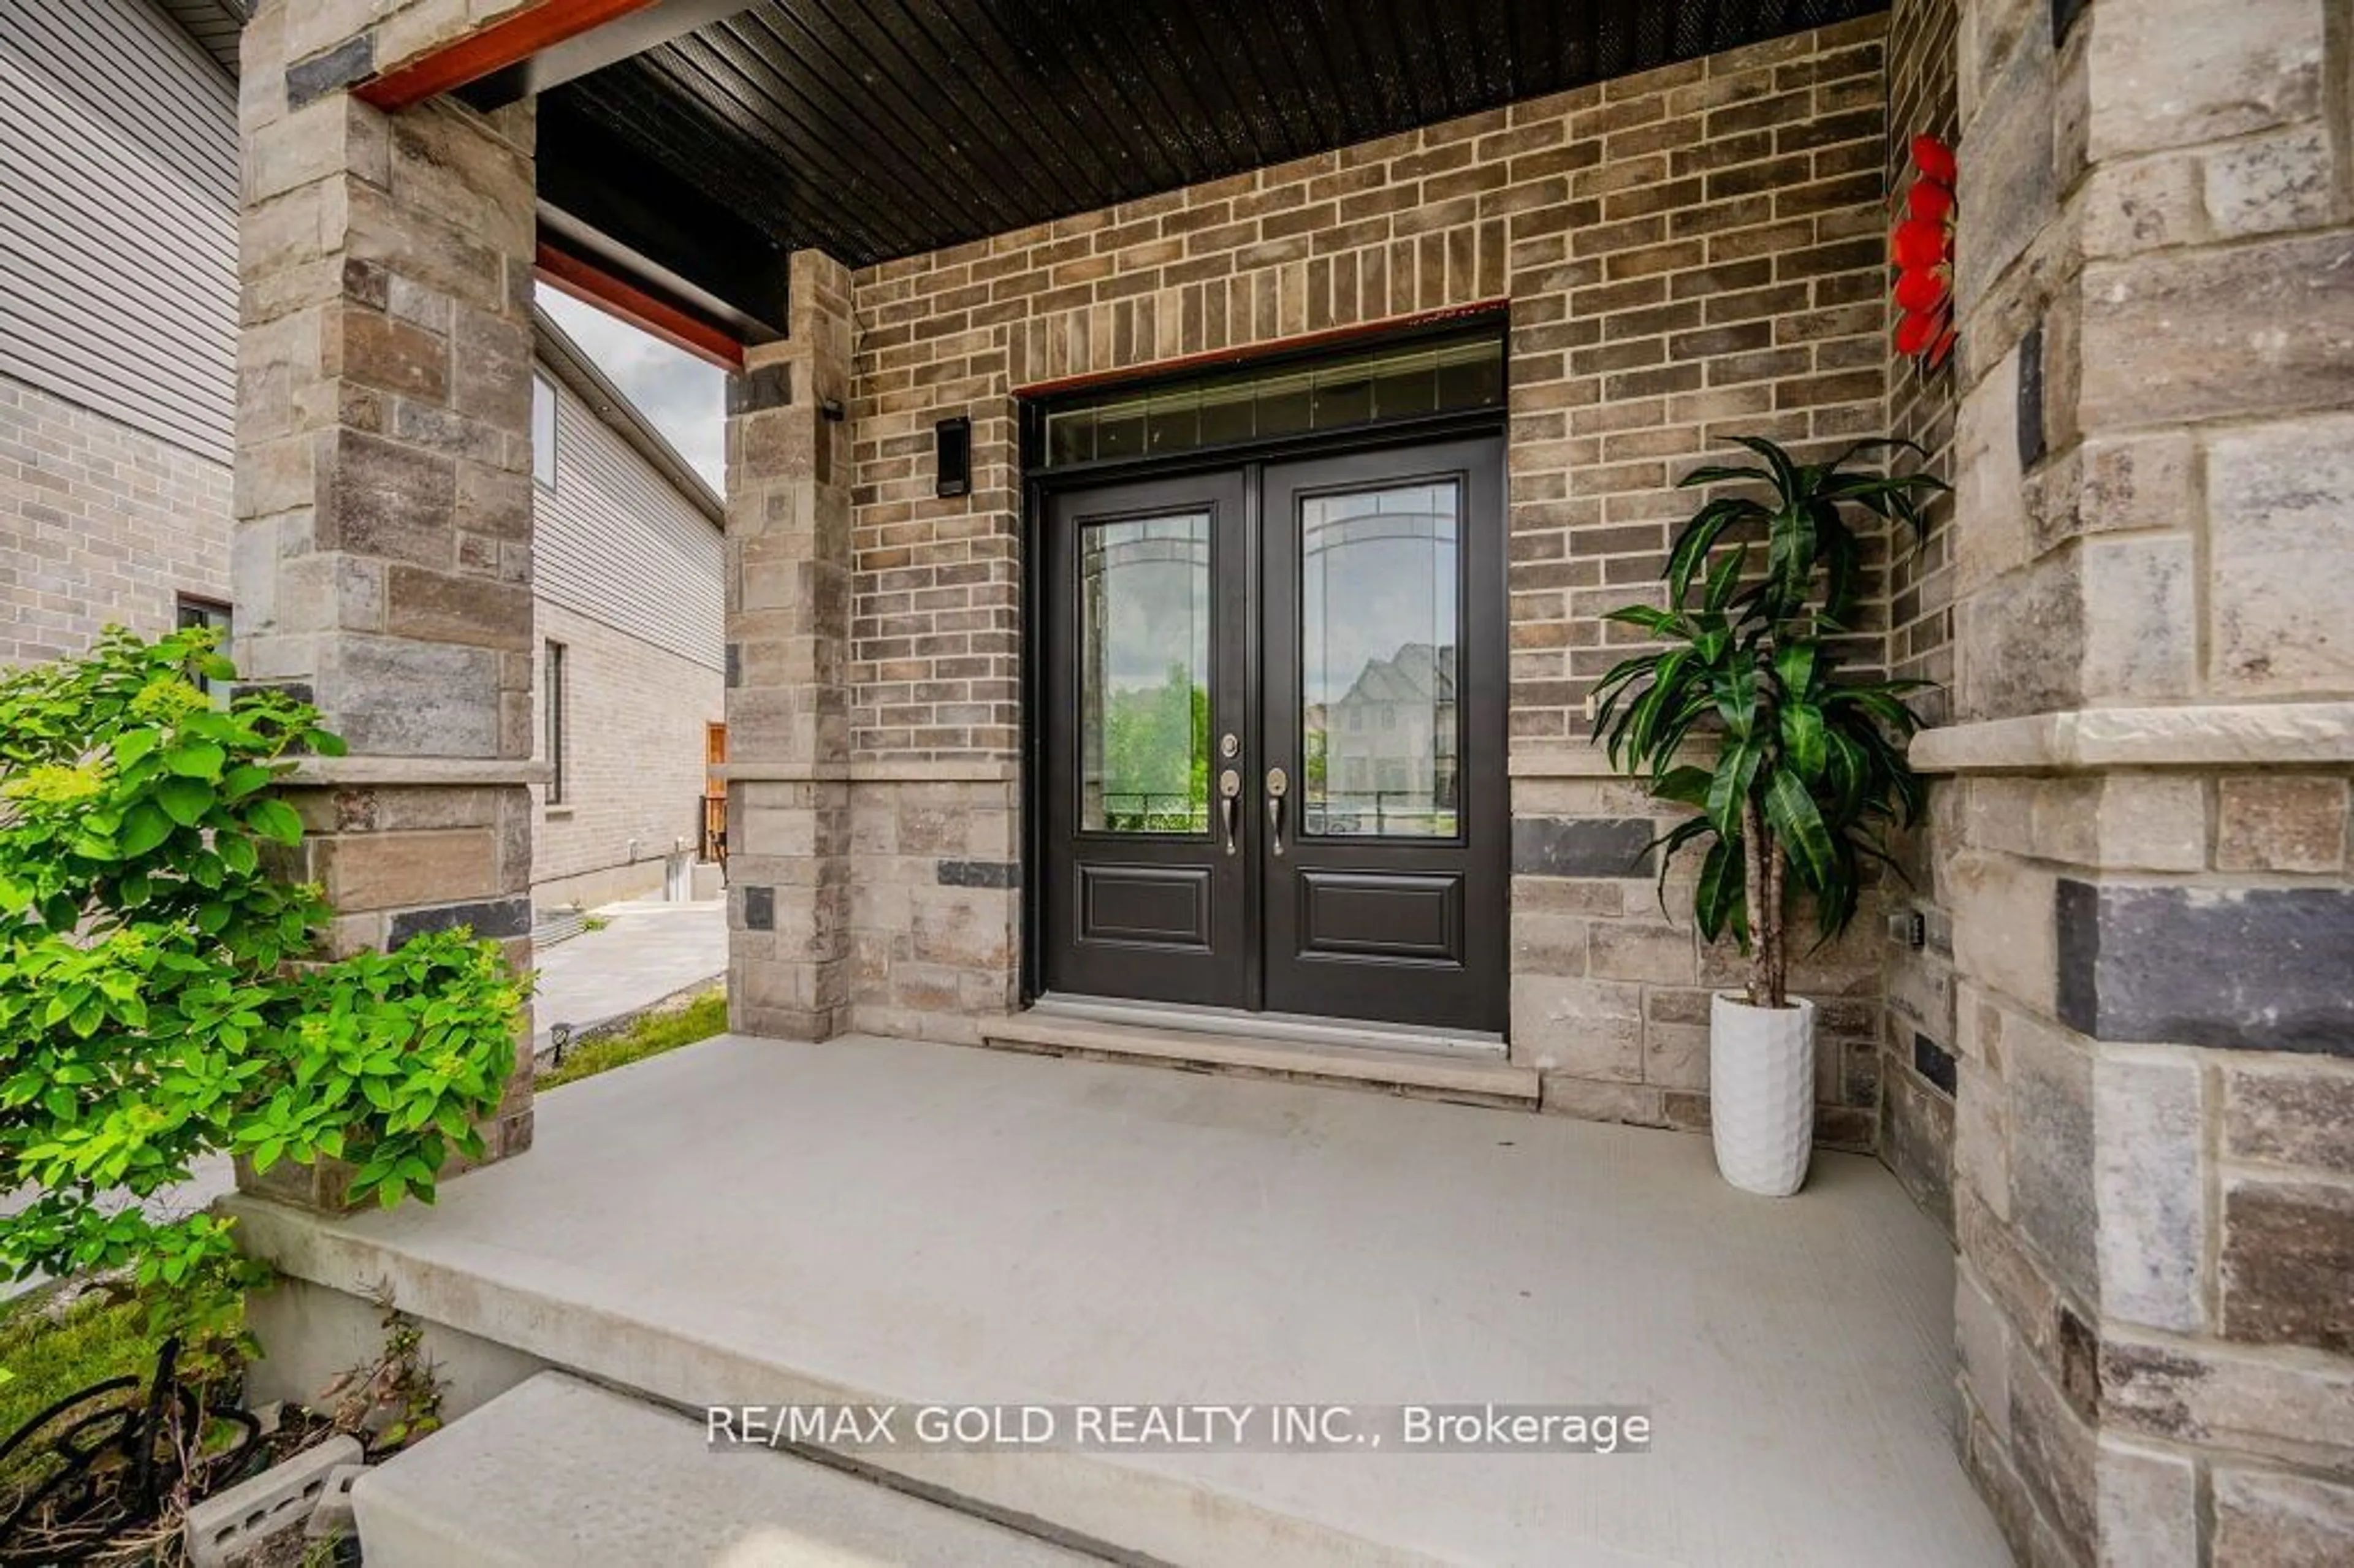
(1230, 745)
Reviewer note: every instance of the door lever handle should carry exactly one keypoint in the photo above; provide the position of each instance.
(1230, 789)
(1226, 817)
(1275, 824)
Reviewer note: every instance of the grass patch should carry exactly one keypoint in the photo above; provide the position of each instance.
(701, 1019)
(51, 1349)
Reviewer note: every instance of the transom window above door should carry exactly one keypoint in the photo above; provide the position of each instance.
(1459, 374)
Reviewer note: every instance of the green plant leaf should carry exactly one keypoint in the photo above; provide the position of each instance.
(185, 801)
(144, 827)
(1721, 889)
(195, 759)
(275, 820)
(1798, 825)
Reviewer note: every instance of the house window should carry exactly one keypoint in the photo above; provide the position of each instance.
(555, 684)
(543, 430)
(190, 610)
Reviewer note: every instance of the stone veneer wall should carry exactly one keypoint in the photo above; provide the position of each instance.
(1687, 253)
(1918, 1070)
(103, 524)
(382, 551)
(2144, 845)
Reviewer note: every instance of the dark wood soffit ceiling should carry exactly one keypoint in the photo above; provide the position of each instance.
(877, 129)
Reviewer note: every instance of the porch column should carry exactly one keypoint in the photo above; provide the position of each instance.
(382, 554)
(2145, 853)
(788, 570)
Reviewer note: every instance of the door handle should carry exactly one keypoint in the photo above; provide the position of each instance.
(1230, 789)
(1277, 785)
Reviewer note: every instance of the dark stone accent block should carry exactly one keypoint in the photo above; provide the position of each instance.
(1935, 1063)
(2258, 969)
(2031, 397)
(734, 665)
(980, 874)
(297, 691)
(770, 386)
(760, 909)
(497, 918)
(349, 61)
(1583, 846)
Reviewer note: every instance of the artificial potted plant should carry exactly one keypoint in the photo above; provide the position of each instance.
(1793, 769)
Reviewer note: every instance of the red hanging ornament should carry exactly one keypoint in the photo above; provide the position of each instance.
(1921, 247)
(1935, 159)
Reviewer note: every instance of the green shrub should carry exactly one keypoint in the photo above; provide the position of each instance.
(159, 1000)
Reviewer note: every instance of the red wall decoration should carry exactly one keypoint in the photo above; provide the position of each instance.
(1921, 246)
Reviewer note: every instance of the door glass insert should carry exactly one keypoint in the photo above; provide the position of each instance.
(1144, 675)
(1447, 375)
(1378, 662)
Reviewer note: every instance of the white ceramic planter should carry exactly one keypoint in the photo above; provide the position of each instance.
(1761, 1093)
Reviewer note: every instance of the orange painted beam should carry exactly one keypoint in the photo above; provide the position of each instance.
(510, 40)
(683, 329)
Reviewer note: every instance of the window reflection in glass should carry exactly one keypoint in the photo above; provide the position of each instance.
(1144, 676)
(1378, 593)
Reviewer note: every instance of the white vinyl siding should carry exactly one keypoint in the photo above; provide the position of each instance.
(614, 541)
(118, 217)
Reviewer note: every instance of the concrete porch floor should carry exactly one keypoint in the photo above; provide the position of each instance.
(753, 1221)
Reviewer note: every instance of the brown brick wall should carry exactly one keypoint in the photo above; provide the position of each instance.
(1689, 253)
(99, 524)
(1916, 1112)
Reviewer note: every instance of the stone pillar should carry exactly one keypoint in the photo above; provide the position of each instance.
(382, 555)
(2146, 855)
(789, 572)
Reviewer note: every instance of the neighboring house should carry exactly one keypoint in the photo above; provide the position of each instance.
(118, 391)
(626, 573)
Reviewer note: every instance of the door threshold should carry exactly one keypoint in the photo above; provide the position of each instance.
(1303, 1029)
(1171, 1037)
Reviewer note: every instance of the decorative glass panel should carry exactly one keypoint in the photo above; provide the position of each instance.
(1378, 662)
(1446, 376)
(1144, 676)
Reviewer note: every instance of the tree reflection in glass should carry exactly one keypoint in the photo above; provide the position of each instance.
(1144, 676)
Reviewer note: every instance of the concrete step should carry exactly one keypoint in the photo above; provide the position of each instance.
(559, 1472)
(1437, 1073)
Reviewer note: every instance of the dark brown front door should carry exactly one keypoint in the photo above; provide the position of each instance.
(1275, 739)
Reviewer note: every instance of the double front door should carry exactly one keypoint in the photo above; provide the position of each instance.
(1273, 744)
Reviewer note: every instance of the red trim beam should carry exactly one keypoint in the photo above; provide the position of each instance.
(509, 41)
(591, 284)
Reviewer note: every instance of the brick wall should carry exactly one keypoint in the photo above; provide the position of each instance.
(634, 717)
(99, 524)
(1687, 253)
(1919, 1070)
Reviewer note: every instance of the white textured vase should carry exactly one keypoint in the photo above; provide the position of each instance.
(1761, 1093)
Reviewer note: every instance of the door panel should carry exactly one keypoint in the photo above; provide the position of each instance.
(1146, 643)
(1383, 670)
(1339, 623)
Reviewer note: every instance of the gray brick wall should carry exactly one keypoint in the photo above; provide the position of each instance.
(634, 719)
(99, 524)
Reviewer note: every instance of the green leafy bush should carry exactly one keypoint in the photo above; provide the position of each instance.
(1794, 769)
(159, 1001)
